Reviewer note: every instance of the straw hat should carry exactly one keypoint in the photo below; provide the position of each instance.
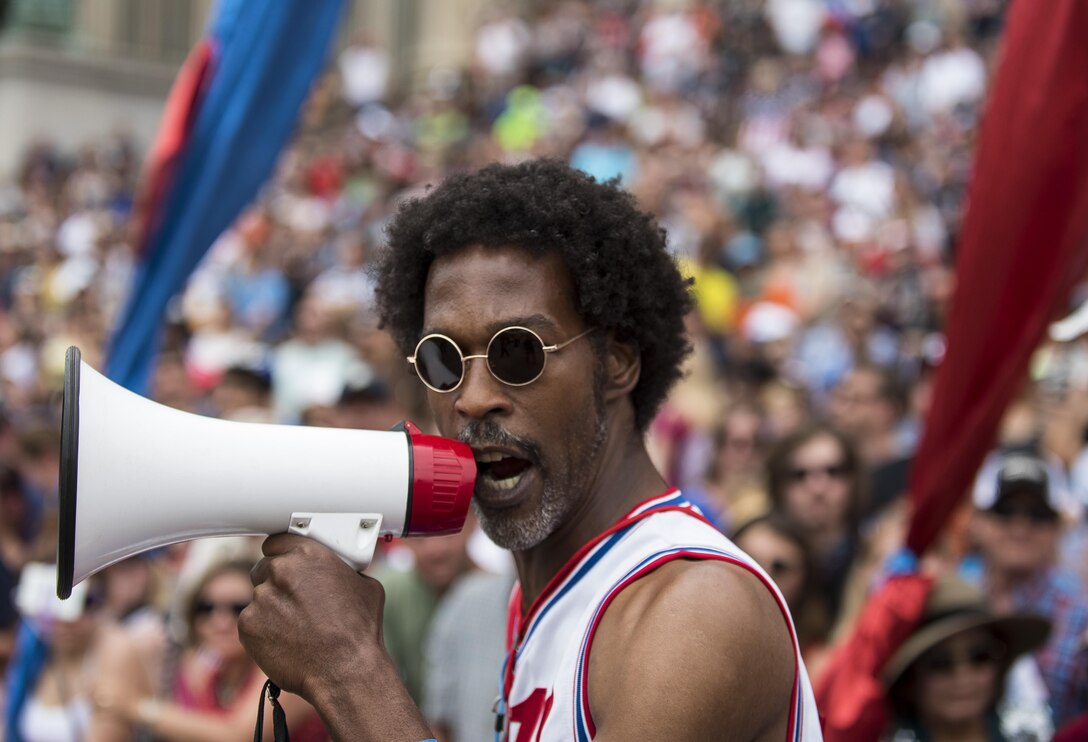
(952, 607)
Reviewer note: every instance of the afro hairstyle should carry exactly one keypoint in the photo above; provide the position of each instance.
(626, 283)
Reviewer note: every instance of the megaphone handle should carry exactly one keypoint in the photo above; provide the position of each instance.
(353, 536)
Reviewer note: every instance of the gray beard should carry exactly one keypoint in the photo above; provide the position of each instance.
(557, 503)
(528, 532)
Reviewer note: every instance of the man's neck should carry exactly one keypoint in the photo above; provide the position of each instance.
(625, 477)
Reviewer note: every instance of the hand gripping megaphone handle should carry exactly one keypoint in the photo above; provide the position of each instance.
(353, 536)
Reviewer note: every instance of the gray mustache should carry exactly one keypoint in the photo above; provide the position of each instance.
(484, 433)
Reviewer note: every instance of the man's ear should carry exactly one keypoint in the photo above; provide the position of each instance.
(623, 368)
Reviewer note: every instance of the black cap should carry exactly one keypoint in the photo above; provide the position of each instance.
(1023, 472)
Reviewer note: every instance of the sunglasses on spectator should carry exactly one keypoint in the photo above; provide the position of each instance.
(516, 356)
(93, 600)
(945, 662)
(206, 608)
(779, 567)
(1036, 513)
(834, 471)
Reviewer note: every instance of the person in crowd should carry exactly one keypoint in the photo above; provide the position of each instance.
(779, 545)
(58, 664)
(314, 365)
(1018, 527)
(243, 394)
(736, 477)
(413, 595)
(368, 405)
(128, 591)
(18, 526)
(39, 460)
(946, 681)
(869, 404)
(256, 291)
(814, 475)
(217, 687)
(464, 645)
(548, 332)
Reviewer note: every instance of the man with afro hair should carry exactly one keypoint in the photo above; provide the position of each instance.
(546, 318)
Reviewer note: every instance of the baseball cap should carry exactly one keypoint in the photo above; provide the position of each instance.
(1007, 473)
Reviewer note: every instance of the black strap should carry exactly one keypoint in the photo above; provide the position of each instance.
(279, 719)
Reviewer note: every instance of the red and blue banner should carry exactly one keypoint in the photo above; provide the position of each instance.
(232, 109)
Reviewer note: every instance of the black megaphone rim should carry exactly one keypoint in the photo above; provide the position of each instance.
(69, 468)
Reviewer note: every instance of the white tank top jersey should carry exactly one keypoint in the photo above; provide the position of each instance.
(544, 694)
(40, 723)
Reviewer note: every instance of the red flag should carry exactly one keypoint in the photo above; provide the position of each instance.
(849, 692)
(177, 122)
(1024, 244)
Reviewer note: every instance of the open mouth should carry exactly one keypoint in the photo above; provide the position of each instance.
(500, 471)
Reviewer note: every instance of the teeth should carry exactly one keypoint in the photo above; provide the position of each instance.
(505, 484)
(489, 457)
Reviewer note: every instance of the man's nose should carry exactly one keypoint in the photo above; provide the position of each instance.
(481, 395)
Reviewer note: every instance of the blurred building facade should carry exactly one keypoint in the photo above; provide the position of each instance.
(76, 70)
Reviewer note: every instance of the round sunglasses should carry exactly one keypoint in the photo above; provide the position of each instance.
(516, 356)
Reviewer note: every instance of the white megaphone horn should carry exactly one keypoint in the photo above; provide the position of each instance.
(136, 475)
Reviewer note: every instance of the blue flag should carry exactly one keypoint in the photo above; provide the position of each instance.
(232, 109)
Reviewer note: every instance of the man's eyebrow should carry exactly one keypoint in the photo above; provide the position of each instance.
(533, 322)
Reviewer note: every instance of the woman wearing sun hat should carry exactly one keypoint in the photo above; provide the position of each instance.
(945, 681)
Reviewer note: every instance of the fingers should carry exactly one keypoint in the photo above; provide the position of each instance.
(274, 546)
(281, 543)
(259, 573)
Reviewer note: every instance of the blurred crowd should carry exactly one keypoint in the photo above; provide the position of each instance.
(809, 160)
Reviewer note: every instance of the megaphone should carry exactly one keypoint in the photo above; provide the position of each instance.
(136, 475)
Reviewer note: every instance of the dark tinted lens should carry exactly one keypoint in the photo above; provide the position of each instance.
(1037, 513)
(944, 662)
(205, 608)
(780, 567)
(983, 655)
(92, 601)
(835, 471)
(438, 363)
(938, 664)
(838, 470)
(515, 356)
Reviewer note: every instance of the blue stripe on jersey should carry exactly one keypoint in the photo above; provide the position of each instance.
(799, 707)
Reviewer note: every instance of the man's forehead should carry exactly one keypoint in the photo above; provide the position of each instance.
(498, 284)
(499, 260)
